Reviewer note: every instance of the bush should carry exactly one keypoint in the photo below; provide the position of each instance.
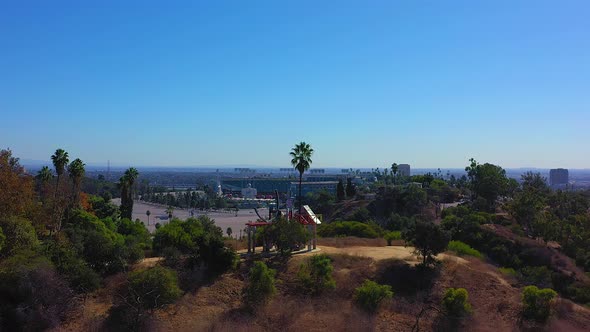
(537, 302)
(153, 288)
(2, 239)
(405, 279)
(580, 294)
(370, 295)
(463, 249)
(172, 257)
(33, 297)
(81, 277)
(392, 236)
(316, 275)
(261, 286)
(508, 271)
(539, 276)
(455, 303)
(349, 228)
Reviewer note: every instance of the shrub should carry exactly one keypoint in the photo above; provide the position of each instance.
(33, 297)
(508, 271)
(539, 276)
(392, 236)
(455, 303)
(261, 286)
(172, 257)
(349, 228)
(537, 302)
(370, 295)
(153, 288)
(580, 294)
(463, 249)
(405, 279)
(2, 239)
(316, 275)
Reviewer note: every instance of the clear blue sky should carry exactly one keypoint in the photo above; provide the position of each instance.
(367, 83)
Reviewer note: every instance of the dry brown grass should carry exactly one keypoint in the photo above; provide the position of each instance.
(218, 306)
(351, 241)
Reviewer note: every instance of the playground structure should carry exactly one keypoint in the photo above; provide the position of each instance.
(306, 218)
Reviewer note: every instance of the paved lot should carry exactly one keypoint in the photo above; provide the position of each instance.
(222, 219)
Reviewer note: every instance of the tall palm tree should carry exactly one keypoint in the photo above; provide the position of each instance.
(126, 183)
(44, 175)
(301, 160)
(394, 169)
(60, 159)
(131, 175)
(76, 171)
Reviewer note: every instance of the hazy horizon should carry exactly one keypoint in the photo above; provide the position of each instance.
(365, 84)
(99, 166)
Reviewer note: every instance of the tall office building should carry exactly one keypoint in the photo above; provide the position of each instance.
(558, 176)
(403, 170)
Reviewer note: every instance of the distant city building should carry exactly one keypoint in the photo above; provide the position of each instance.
(249, 192)
(403, 170)
(317, 171)
(287, 170)
(558, 176)
(243, 170)
(309, 187)
(263, 185)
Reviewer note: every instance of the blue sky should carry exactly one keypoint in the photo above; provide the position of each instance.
(366, 83)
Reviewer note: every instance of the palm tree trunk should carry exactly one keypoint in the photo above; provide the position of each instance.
(300, 201)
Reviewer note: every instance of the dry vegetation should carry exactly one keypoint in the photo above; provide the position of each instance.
(218, 306)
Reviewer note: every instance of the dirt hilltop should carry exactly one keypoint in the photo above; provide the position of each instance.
(495, 300)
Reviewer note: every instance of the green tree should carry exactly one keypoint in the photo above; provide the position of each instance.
(19, 234)
(229, 231)
(428, 240)
(529, 204)
(261, 285)
(370, 295)
(350, 188)
(286, 235)
(487, 183)
(301, 160)
(340, 194)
